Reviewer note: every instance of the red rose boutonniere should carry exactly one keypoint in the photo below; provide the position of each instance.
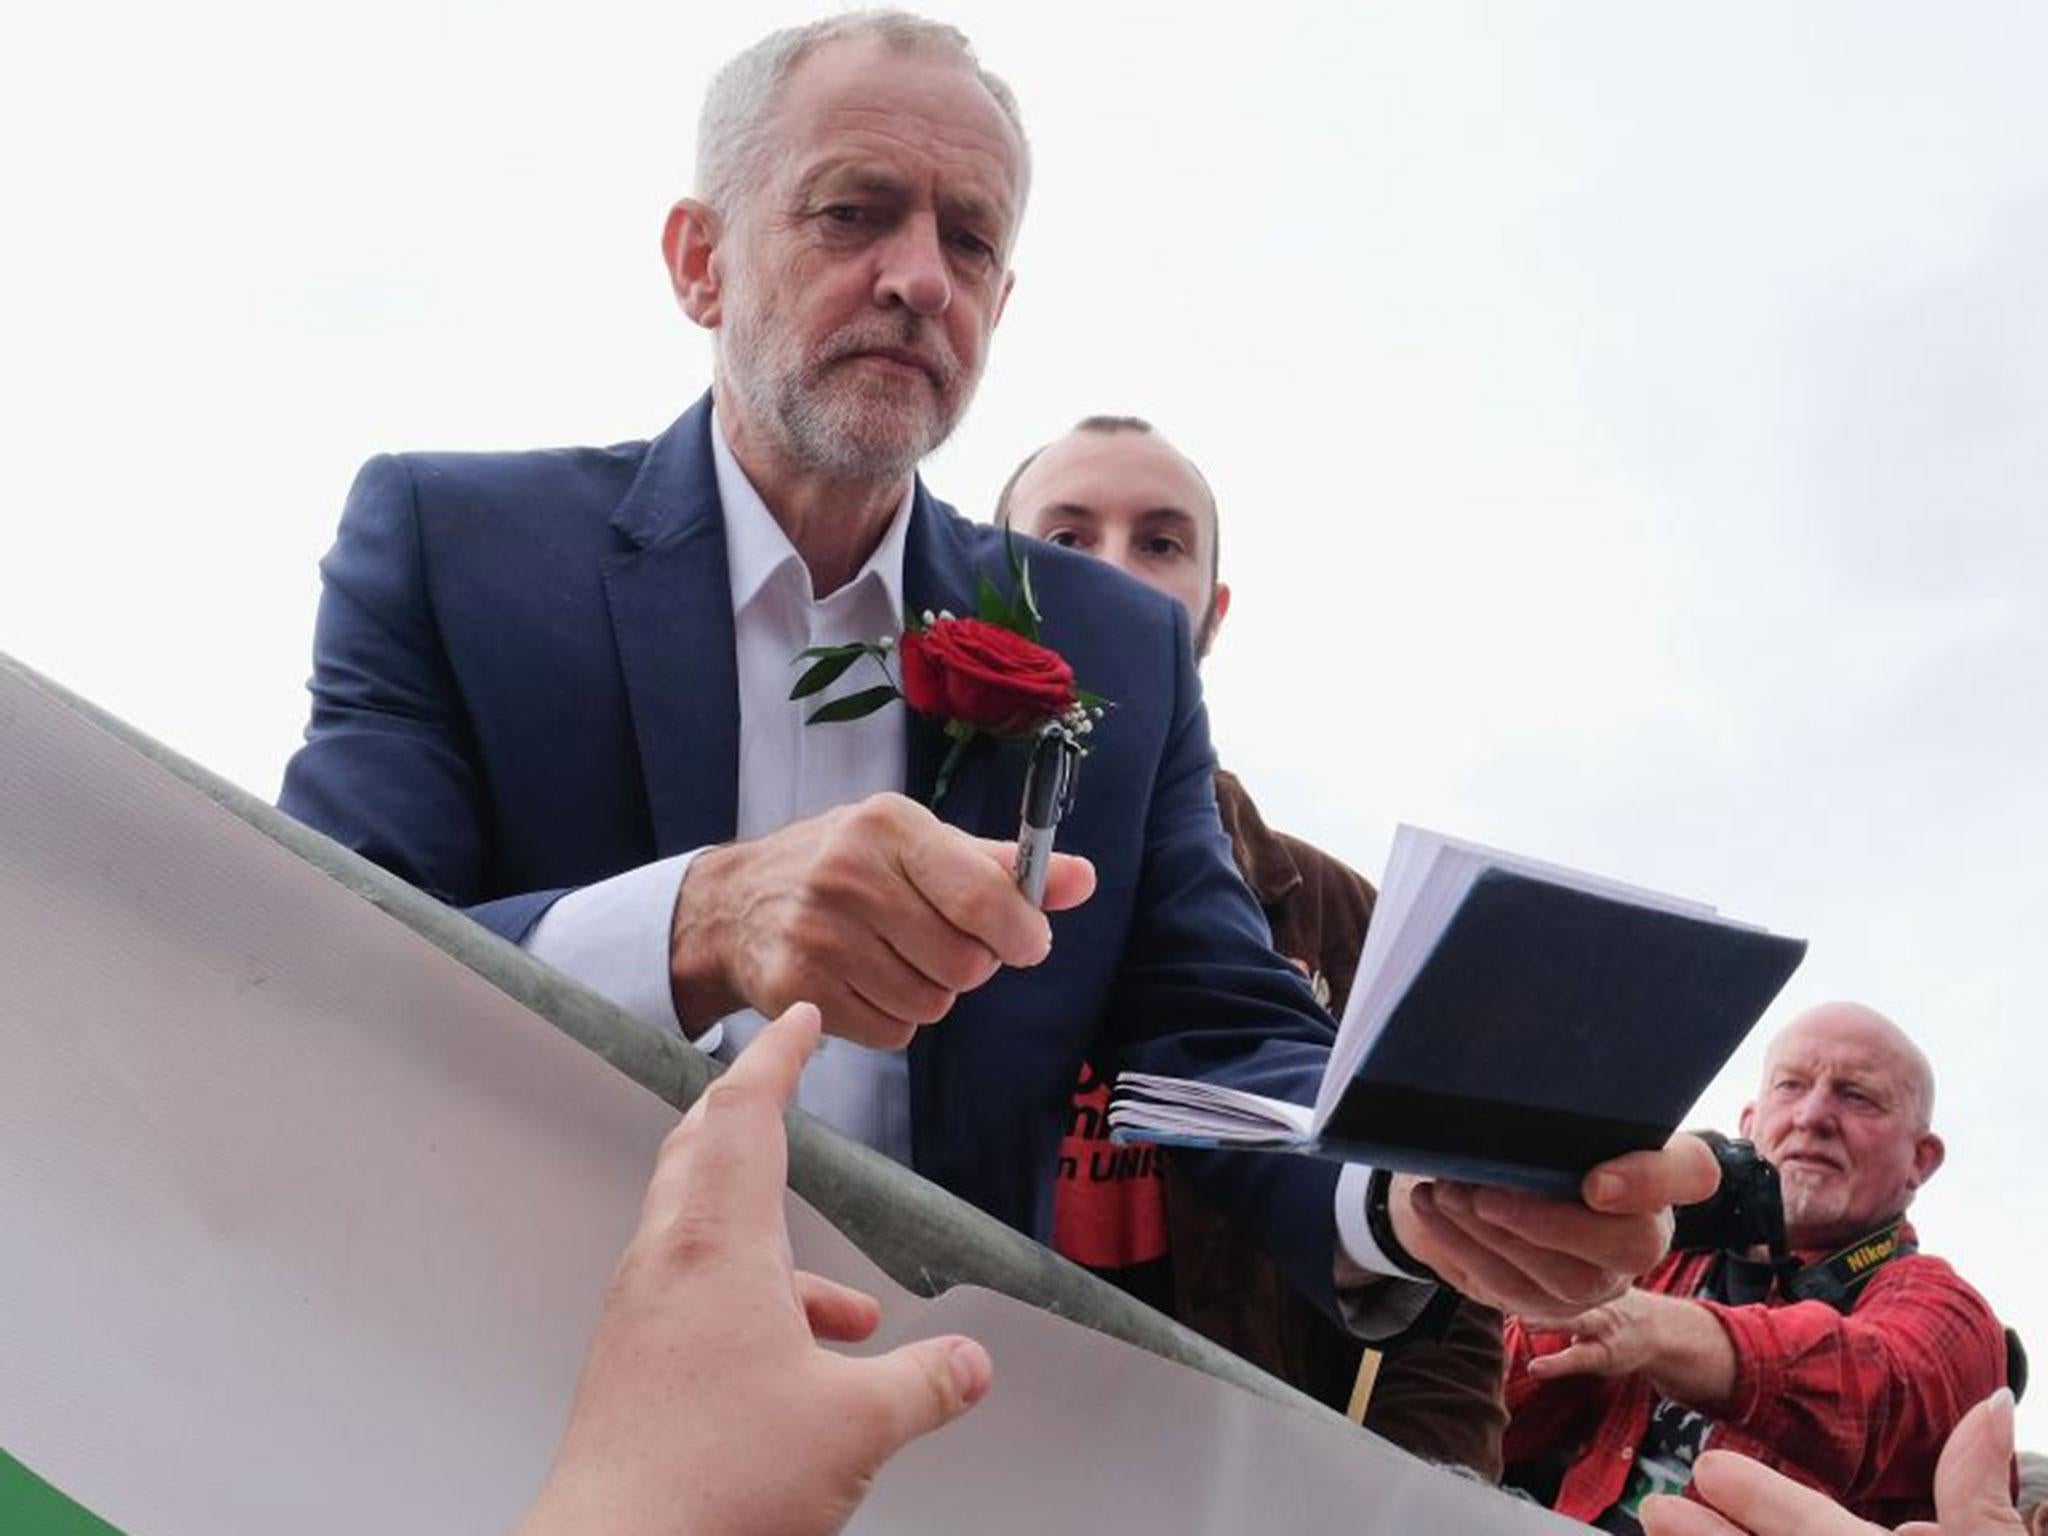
(980, 677)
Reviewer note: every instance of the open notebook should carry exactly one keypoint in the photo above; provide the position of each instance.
(1512, 1022)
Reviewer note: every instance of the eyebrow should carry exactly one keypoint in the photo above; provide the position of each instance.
(1863, 1077)
(851, 178)
(972, 208)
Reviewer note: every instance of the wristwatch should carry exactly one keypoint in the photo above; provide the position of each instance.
(1379, 1221)
(1435, 1318)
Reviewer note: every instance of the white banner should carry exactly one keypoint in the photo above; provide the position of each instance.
(303, 1226)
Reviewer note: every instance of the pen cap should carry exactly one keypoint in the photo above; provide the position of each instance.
(1048, 784)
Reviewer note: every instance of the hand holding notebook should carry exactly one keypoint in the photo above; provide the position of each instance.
(1512, 1023)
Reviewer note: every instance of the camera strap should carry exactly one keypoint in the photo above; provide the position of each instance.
(1837, 1279)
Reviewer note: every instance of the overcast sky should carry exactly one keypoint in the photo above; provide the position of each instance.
(1631, 419)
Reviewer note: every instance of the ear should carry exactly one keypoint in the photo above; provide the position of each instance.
(689, 246)
(1745, 1120)
(1003, 298)
(1211, 621)
(1929, 1153)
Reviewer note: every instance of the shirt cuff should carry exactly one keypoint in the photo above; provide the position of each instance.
(1354, 1232)
(1377, 1300)
(614, 936)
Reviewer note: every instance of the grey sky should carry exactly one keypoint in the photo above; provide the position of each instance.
(1631, 420)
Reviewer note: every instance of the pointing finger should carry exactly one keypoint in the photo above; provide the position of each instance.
(729, 1155)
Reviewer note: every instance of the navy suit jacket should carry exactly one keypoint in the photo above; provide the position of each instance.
(524, 683)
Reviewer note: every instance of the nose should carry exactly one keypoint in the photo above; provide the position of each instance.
(1815, 1110)
(913, 271)
(1114, 548)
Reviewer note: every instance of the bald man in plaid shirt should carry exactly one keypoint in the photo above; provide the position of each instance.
(1846, 1370)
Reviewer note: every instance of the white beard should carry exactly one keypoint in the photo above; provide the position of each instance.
(826, 416)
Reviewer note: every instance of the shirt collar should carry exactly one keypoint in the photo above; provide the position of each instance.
(756, 548)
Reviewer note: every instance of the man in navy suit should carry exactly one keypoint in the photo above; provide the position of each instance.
(552, 688)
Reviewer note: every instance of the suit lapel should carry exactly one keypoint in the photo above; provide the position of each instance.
(671, 611)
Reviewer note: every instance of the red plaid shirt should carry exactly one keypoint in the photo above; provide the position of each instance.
(1857, 1406)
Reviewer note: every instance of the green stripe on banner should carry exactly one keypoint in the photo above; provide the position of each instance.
(31, 1507)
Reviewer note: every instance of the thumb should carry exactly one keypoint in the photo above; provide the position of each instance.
(925, 1385)
(1682, 1172)
(1590, 1353)
(1069, 881)
(1069, 878)
(1973, 1483)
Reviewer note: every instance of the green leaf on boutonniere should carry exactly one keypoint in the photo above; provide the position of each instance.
(1024, 615)
(854, 647)
(854, 705)
(831, 664)
(990, 606)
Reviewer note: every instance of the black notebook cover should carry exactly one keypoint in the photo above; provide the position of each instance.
(1551, 1029)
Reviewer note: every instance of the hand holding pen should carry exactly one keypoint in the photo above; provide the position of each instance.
(1049, 785)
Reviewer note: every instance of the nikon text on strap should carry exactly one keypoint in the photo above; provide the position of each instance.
(1837, 1279)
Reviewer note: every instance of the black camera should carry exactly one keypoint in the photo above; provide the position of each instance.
(1747, 1211)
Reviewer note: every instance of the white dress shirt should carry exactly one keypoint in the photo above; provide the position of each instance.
(614, 936)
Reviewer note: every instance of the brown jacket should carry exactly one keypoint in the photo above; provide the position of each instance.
(1440, 1398)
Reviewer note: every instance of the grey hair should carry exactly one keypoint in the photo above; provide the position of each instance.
(733, 140)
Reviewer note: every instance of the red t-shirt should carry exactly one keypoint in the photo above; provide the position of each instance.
(1109, 1203)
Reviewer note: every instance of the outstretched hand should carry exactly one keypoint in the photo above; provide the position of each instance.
(1553, 1260)
(1740, 1497)
(706, 1405)
(1672, 1341)
(1621, 1338)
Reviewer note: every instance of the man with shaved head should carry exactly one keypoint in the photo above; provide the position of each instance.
(1845, 1364)
(1844, 1172)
